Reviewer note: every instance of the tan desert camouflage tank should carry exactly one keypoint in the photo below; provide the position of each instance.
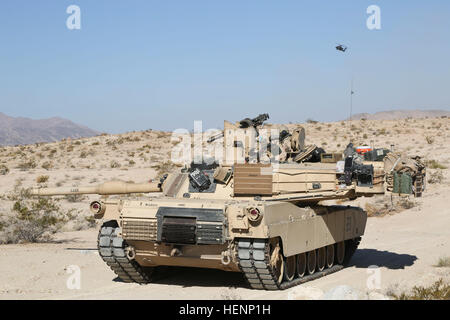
(261, 219)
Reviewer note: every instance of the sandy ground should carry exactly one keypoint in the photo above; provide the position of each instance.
(405, 246)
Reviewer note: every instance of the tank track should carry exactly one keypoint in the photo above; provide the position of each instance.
(111, 248)
(254, 261)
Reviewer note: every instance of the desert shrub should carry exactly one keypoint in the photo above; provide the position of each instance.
(83, 222)
(91, 221)
(18, 193)
(60, 183)
(437, 291)
(47, 165)
(33, 220)
(83, 154)
(52, 153)
(132, 139)
(74, 197)
(429, 139)
(384, 205)
(114, 164)
(404, 203)
(377, 209)
(381, 131)
(164, 167)
(443, 262)
(27, 165)
(433, 164)
(3, 170)
(42, 179)
(436, 177)
(161, 135)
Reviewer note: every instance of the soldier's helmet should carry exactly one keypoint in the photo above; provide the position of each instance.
(283, 135)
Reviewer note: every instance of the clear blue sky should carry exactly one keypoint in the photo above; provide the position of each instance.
(163, 64)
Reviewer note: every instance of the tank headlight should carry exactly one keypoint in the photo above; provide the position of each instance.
(96, 207)
(253, 214)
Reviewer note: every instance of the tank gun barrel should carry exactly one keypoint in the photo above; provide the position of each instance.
(107, 188)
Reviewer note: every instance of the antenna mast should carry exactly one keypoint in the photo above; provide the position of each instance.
(351, 98)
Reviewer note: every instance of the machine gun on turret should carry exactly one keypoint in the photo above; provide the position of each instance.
(255, 122)
(245, 123)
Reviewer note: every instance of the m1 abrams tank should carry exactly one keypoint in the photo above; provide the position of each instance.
(260, 219)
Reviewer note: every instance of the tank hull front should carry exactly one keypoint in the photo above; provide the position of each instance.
(224, 235)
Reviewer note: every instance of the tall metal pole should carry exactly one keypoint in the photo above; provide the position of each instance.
(351, 98)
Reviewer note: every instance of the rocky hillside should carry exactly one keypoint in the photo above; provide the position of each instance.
(14, 131)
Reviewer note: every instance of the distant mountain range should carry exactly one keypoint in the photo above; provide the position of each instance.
(401, 114)
(14, 131)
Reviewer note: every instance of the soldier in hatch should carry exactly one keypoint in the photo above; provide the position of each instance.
(281, 150)
(285, 145)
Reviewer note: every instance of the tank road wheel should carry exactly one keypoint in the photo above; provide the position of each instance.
(301, 264)
(276, 262)
(321, 258)
(330, 256)
(289, 268)
(340, 252)
(311, 261)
